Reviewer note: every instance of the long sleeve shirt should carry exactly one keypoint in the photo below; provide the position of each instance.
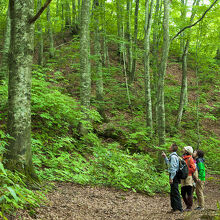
(201, 168)
(190, 163)
(173, 164)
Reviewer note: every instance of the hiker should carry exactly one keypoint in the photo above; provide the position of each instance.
(173, 166)
(201, 179)
(195, 174)
(187, 184)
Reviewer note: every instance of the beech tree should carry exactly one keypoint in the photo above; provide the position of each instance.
(104, 44)
(18, 154)
(120, 19)
(185, 47)
(161, 75)
(128, 38)
(85, 73)
(40, 38)
(98, 60)
(147, 28)
(50, 33)
(67, 14)
(134, 57)
(4, 60)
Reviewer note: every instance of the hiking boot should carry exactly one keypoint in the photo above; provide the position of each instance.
(178, 211)
(187, 210)
(199, 208)
(175, 211)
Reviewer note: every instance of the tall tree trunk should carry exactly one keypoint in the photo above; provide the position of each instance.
(197, 95)
(217, 57)
(160, 93)
(135, 42)
(40, 38)
(57, 8)
(183, 94)
(155, 54)
(148, 104)
(67, 15)
(79, 12)
(74, 21)
(98, 61)
(85, 86)
(156, 39)
(120, 27)
(128, 38)
(183, 19)
(4, 62)
(125, 69)
(50, 33)
(62, 19)
(105, 45)
(18, 155)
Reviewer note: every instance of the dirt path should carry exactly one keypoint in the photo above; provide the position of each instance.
(69, 201)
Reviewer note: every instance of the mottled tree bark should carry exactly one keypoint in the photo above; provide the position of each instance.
(197, 96)
(147, 28)
(98, 61)
(18, 153)
(67, 15)
(79, 12)
(40, 38)
(50, 33)
(155, 44)
(129, 40)
(183, 93)
(120, 27)
(74, 21)
(104, 45)
(5, 52)
(57, 8)
(162, 72)
(85, 87)
(135, 42)
(157, 37)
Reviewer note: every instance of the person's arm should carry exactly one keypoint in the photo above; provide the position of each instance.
(165, 158)
(192, 166)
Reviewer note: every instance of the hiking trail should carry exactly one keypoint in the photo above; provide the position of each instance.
(69, 201)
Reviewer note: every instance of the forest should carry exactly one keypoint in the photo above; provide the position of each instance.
(92, 93)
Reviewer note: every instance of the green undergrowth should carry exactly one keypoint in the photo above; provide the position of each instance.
(105, 165)
(59, 153)
(119, 153)
(14, 192)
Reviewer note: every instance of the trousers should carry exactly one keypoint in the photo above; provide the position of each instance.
(175, 198)
(186, 192)
(199, 193)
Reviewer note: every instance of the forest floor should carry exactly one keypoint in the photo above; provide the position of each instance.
(69, 201)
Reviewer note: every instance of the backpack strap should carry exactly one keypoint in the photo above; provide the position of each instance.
(188, 162)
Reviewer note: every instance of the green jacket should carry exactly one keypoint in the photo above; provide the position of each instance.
(201, 168)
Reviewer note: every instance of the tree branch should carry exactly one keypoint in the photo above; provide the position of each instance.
(32, 20)
(189, 26)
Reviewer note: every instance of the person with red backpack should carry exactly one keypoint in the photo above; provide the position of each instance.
(187, 184)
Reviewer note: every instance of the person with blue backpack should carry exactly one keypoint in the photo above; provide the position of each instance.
(173, 167)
